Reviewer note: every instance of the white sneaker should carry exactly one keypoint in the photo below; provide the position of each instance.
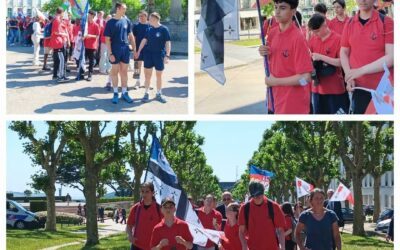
(137, 85)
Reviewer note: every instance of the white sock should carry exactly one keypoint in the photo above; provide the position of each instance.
(124, 90)
(146, 91)
(159, 92)
(115, 90)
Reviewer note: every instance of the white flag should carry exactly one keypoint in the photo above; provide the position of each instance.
(231, 23)
(342, 193)
(303, 188)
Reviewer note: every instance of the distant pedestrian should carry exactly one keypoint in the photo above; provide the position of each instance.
(290, 242)
(68, 199)
(226, 200)
(79, 209)
(116, 215)
(123, 215)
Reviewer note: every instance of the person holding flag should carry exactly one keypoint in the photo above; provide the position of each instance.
(290, 62)
(91, 41)
(319, 224)
(262, 221)
(335, 206)
(143, 217)
(118, 35)
(171, 232)
(368, 31)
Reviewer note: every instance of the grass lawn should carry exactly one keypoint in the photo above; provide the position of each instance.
(38, 238)
(247, 42)
(351, 242)
(118, 241)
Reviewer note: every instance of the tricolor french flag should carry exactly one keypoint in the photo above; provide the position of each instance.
(263, 176)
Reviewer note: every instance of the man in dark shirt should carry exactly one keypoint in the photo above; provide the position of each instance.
(139, 30)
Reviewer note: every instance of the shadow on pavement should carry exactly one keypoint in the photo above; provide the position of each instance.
(255, 108)
(29, 84)
(91, 105)
(181, 80)
(87, 91)
(178, 92)
(21, 49)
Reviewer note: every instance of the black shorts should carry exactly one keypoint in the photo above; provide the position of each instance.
(330, 104)
(360, 102)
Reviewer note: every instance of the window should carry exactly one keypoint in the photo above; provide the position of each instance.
(391, 201)
(370, 180)
(386, 179)
(29, 12)
(386, 201)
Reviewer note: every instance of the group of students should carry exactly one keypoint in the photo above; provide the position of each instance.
(259, 223)
(20, 30)
(321, 70)
(109, 42)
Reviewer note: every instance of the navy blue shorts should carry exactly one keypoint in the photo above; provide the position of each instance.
(361, 100)
(153, 59)
(121, 54)
(330, 104)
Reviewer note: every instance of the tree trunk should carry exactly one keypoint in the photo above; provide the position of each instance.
(137, 184)
(176, 10)
(358, 224)
(51, 203)
(91, 178)
(377, 198)
(150, 6)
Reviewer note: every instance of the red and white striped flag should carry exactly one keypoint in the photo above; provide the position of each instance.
(303, 188)
(342, 193)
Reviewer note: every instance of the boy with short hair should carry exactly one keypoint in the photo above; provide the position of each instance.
(290, 62)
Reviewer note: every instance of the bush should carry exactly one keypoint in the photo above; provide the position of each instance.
(35, 206)
(104, 200)
(109, 214)
(64, 218)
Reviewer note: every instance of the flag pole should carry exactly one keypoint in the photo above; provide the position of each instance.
(148, 163)
(266, 64)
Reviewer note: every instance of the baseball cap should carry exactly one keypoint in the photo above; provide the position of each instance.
(256, 188)
(167, 200)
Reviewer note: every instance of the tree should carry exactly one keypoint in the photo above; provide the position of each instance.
(355, 139)
(45, 152)
(100, 149)
(28, 193)
(380, 152)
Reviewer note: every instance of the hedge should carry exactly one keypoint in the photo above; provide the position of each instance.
(64, 218)
(107, 200)
(36, 206)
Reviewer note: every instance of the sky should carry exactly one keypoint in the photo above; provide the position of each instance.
(228, 147)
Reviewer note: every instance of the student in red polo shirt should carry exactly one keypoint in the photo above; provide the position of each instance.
(210, 219)
(321, 8)
(91, 42)
(171, 232)
(262, 232)
(366, 45)
(337, 23)
(231, 240)
(290, 62)
(58, 41)
(329, 95)
(143, 216)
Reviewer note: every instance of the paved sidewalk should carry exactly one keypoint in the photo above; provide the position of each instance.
(32, 91)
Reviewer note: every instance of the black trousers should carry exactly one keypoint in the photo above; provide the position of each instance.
(60, 62)
(91, 54)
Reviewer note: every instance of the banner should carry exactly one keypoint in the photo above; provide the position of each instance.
(342, 193)
(303, 188)
(263, 176)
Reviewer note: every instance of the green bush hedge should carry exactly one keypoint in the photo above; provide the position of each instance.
(104, 200)
(36, 206)
(64, 218)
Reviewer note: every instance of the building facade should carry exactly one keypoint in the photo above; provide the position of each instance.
(23, 6)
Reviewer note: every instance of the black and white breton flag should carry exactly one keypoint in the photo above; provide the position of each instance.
(166, 184)
(219, 21)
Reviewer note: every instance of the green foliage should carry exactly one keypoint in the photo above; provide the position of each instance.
(268, 9)
(36, 206)
(117, 199)
(52, 5)
(64, 218)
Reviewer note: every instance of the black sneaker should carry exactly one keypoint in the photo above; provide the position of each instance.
(46, 68)
(68, 70)
(54, 77)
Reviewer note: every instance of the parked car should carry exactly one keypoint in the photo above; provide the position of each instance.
(348, 215)
(383, 226)
(368, 209)
(386, 214)
(20, 218)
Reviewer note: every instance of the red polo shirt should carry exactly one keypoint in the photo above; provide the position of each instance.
(367, 44)
(337, 25)
(333, 84)
(147, 219)
(290, 56)
(93, 29)
(207, 221)
(231, 241)
(162, 231)
(57, 41)
(261, 231)
(102, 37)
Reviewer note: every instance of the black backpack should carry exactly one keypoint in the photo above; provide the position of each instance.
(270, 213)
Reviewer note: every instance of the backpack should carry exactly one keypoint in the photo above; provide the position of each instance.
(270, 213)
(47, 30)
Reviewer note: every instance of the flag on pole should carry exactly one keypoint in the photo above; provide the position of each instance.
(40, 14)
(210, 33)
(231, 23)
(263, 176)
(342, 193)
(303, 188)
(166, 184)
(84, 30)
